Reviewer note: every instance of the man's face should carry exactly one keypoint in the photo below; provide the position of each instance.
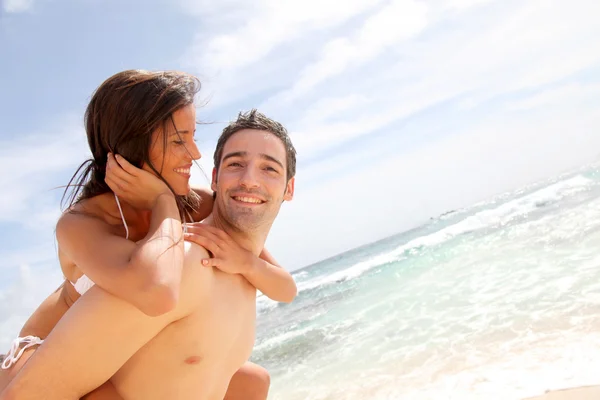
(251, 181)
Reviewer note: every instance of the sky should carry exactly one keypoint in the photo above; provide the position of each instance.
(400, 110)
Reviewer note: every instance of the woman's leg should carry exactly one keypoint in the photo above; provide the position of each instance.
(250, 382)
(7, 375)
(104, 392)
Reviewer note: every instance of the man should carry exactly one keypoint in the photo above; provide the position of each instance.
(192, 351)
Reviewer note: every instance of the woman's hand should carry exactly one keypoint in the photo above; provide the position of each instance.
(136, 186)
(262, 272)
(228, 256)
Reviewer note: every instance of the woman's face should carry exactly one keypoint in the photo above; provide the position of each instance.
(175, 160)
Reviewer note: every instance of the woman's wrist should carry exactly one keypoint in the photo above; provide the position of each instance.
(165, 196)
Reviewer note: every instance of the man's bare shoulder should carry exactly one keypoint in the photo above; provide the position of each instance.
(196, 280)
(194, 252)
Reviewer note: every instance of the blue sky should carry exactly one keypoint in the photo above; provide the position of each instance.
(400, 110)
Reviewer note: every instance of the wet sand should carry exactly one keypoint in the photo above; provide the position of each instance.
(578, 393)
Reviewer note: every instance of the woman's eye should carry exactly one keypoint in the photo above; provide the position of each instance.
(178, 142)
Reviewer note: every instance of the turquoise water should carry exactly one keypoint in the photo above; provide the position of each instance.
(497, 301)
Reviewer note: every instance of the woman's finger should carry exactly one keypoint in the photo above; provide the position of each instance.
(127, 166)
(119, 184)
(219, 233)
(216, 234)
(212, 262)
(113, 167)
(114, 186)
(201, 230)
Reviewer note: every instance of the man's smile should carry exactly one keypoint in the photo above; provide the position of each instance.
(248, 199)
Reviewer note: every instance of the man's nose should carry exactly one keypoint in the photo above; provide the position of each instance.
(249, 178)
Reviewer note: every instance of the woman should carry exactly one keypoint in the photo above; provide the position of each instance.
(124, 231)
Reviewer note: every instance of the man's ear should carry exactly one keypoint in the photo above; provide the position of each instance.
(213, 184)
(289, 190)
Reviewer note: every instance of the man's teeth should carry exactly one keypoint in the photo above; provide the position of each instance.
(248, 200)
(182, 170)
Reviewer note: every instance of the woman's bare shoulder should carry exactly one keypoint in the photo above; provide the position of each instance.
(76, 226)
(88, 213)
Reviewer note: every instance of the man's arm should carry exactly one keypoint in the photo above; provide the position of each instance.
(94, 339)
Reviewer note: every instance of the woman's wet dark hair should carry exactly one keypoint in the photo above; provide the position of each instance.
(121, 117)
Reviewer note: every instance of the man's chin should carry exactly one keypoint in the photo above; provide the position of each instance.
(246, 223)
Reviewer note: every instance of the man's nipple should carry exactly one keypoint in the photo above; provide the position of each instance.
(193, 360)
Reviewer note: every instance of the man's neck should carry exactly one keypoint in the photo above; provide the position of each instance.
(253, 242)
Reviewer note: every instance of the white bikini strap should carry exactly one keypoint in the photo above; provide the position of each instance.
(14, 354)
(184, 222)
(122, 217)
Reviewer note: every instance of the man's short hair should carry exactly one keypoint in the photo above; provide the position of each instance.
(255, 120)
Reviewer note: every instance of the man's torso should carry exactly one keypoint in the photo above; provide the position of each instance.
(194, 357)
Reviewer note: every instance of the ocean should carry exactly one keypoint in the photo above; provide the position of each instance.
(500, 300)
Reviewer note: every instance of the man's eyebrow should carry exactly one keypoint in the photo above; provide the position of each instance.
(273, 159)
(235, 154)
(245, 153)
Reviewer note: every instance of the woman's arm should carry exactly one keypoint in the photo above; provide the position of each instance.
(146, 274)
(263, 272)
(271, 279)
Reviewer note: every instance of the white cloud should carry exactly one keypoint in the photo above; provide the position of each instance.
(17, 6)
(30, 166)
(462, 4)
(501, 152)
(490, 51)
(18, 301)
(314, 135)
(536, 43)
(399, 20)
(263, 27)
(233, 58)
(557, 96)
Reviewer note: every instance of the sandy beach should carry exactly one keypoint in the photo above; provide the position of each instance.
(579, 393)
